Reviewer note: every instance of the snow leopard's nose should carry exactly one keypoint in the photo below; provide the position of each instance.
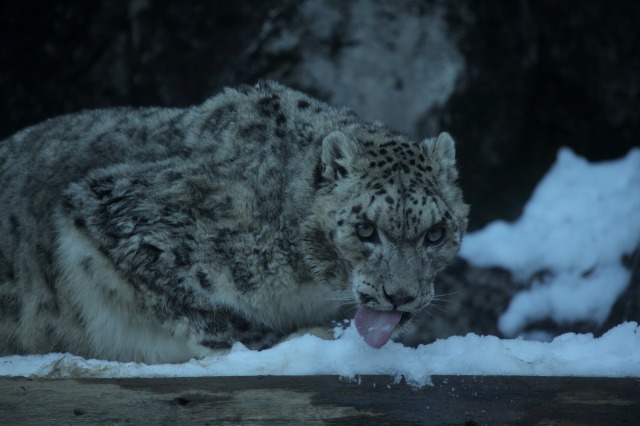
(398, 299)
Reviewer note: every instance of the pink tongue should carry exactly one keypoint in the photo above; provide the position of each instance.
(376, 327)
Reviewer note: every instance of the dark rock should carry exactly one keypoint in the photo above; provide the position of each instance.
(468, 300)
(540, 75)
(627, 307)
(65, 56)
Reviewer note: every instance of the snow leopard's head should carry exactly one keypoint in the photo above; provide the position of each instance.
(388, 217)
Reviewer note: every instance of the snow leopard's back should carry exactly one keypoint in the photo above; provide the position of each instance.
(236, 135)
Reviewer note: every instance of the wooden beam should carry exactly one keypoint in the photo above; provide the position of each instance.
(458, 400)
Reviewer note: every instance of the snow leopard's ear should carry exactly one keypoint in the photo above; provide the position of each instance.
(441, 154)
(338, 153)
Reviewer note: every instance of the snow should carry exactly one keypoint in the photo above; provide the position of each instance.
(580, 221)
(574, 231)
(616, 353)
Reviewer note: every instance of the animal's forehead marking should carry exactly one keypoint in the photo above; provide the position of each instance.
(396, 155)
(399, 184)
(401, 212)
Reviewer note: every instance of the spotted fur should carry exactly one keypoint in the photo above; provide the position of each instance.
(158, 235)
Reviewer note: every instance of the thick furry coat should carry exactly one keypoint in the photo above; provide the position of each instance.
(158, 235)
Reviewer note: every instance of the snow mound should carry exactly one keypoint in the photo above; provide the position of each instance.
(615, 354)
(579, 223)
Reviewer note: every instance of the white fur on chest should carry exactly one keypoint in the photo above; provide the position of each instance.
(116, 327)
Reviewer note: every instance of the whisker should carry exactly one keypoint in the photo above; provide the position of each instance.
(426, 311)
(455, 303)
(440, 308)
(346, 299)
(353, 308)
(343, 295)
(346, 303)
(448, 294)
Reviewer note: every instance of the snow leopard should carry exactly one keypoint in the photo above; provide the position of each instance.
(159, 235)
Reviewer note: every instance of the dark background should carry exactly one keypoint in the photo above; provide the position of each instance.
(511, 80)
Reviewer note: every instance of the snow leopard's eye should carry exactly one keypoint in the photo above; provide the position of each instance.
(435, 235)
(367, 233)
